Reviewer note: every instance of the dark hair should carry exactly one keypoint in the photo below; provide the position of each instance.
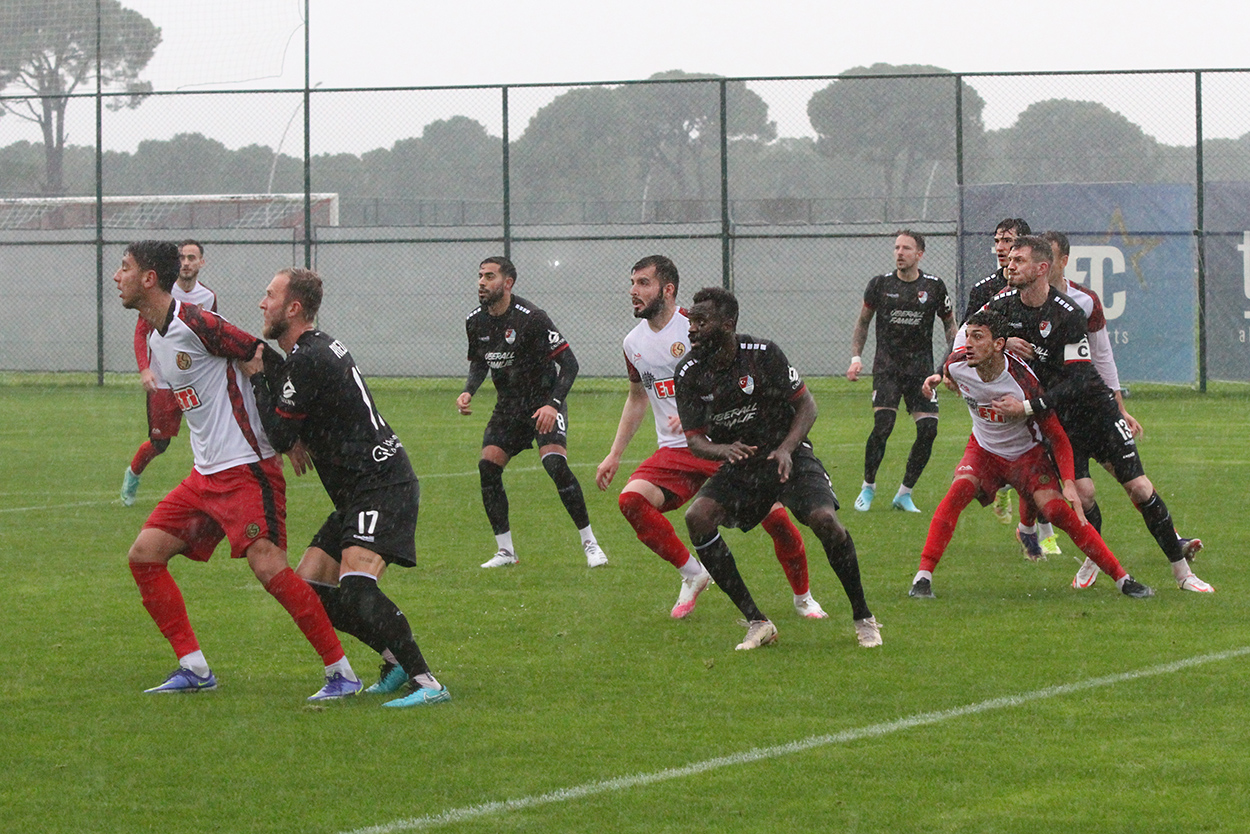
(195, 243)
(1039, 245)
(160, 256)
(1060, 240)
(916, 236)
(1016, 224)
(723, 300)
(304, 286)
(505, 266)
(665, 269)
(996, 324)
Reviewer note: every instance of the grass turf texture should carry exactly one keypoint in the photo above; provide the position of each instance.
(563, 676)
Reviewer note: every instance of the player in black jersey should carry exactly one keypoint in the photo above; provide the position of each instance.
(323, 404)
(741, 402)
(1005, 234)
(1056, 330)
(908, 301)
(533, 369)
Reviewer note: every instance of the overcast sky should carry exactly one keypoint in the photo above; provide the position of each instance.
(258, 44)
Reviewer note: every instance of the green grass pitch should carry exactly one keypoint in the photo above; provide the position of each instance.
(565, 679)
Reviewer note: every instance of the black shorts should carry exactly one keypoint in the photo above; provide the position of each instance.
(748, 490)
(1097, 430)
(889, 388)
(382, 519)
(514, 433)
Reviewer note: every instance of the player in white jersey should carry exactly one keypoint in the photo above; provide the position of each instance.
(1006, 451)
(164, 416)
(236, 489)
(672, 475)
(1102, 356)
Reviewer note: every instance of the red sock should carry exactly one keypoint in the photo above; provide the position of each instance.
(788, 543)
(1028, 515)
(653, 528)
(164, 603)
(147, 452)
(1085, 537)
(305, 608)
(942, 527)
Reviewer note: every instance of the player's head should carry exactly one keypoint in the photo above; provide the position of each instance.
(713, 319)
(159, 256)
(986, 333)
(653, 286)
(495, 277)
(908, 249)
(1060, 250)
(191, 256)
(1028, 261)
(1005, 234)
(292, 297)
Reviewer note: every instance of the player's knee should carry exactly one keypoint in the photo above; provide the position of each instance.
(826, 525)
(557, 466)
(883, 423)
(926, 429)
(632, 506)
(700, 524)
(159, 445)
(491, 474)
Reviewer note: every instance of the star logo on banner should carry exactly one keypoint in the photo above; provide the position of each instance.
(1135, 248)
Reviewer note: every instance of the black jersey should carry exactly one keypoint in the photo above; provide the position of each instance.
(523, 350)
(1058, 332)
(985, 289)
(905, 312)
(751, 401)
(323, 400)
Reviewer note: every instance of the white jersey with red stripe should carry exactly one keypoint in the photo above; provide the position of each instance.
(651, 358)
(1008, 439)
(195, 353)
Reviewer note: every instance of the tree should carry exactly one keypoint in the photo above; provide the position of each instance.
(1059, 140)
(49, 50)
(905, 125)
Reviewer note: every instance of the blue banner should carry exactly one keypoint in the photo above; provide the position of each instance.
(1227, 219)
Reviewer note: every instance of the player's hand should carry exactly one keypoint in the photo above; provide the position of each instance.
(852, 372)
(462, 403)
(1020, 347)
(1133, 425)
(301, 461)
(256, 364)
(1010, 407)
(545, 418)
(736, 451)
(148, 378)
(930, 383)
(785, 464)
(674, 423)
(1072, 497)
(606, 471)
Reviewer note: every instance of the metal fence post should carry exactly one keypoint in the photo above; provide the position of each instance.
(726, 252)
(507, 183)
(959, 187)
(99, 202)
(308, 259)
(1200, 232)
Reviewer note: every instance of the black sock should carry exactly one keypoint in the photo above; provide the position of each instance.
(874, 451)
(383, 619)
(569, 489)
(719, 562)
(1094, 516)
(845, 564)
(493, 496)
(926, 433)
(342, 618)
(1159, 522)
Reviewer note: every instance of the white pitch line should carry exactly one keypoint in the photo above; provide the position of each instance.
(621, 783)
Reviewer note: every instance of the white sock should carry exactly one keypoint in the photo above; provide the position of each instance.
(923, 574)
(504, 542)
(1181, 569)
(426, 681)
(903, 490)
(691, 569)
(866, 485)
(1031, 528)
(803, 597)
(588, 535)
(343, 668)
(390, 657)
(1045, 530)
(195, 662)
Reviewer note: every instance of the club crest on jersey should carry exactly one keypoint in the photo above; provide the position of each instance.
(746, 383)
(252, 531)
(1044, 328)
(183, 360)
(1043, 479)
(923, 296)
(509, 335)
(677, 349)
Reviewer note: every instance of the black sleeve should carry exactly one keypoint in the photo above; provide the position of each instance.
(282, 431)
(477, 374)
(566, 373)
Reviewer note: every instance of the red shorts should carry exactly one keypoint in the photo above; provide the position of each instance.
(243, 503)
(1028, 473)
(678, 471)
(164, 415)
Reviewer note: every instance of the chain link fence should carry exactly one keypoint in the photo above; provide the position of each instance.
(787, 190)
